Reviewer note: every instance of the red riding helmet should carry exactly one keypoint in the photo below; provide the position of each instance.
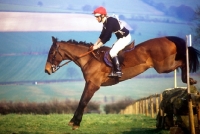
(100, 11)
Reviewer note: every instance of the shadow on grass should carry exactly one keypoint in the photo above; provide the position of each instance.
(146, 131)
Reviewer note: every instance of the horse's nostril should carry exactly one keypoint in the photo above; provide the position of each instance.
(46, 71)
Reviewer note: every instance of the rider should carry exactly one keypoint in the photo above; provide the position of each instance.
(112, 25)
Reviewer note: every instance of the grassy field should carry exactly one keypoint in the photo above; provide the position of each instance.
(91, 124)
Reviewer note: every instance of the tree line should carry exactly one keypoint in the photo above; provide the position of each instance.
(58, 107)
(182, 12)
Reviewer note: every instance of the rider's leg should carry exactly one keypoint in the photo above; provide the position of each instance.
(117, 68)
(119, 45)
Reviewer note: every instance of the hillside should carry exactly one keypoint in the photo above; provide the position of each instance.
(191, 3)
(127, 6)
(26, 21)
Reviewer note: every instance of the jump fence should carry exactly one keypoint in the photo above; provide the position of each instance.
(149, 106)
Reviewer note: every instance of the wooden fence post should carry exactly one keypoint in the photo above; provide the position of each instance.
(132, 109)
(136, 107)
(198, 114)
(141, 111)
(152, 110)
(143, 106)
(133, 106)
(157, 104)
(140, 107)
(161, 112)
(146, 107)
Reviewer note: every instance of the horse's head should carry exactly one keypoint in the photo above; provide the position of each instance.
(54, 57)
(70, 50)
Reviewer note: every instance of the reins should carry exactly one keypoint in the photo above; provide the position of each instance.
(82, 55)
(62, 65)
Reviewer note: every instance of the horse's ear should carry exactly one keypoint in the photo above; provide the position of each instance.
(57, 44)
(131, 45)
(54, 40)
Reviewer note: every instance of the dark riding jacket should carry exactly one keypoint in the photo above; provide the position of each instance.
(112, 25)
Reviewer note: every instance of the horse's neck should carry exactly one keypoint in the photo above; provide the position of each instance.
(74, 51)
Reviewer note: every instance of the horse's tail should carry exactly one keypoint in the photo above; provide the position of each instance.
(194, 54)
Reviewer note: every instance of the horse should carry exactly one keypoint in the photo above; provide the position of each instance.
(164, 54)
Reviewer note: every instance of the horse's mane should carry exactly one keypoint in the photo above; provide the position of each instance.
(78, 43)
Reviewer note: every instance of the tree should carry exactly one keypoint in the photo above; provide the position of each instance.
(160, 6)
(197, 27)
(40, 3)
(185, 12)
(87, 8)
(182, 12)
(122, 17)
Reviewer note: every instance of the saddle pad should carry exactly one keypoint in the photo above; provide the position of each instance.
(107, 58)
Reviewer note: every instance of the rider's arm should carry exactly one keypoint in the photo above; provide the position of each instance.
(98, 44)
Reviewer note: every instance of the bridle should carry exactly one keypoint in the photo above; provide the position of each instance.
(55, 67)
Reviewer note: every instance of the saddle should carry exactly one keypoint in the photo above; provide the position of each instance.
(102, 54)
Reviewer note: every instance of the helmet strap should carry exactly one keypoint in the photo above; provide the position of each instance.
(102, 17)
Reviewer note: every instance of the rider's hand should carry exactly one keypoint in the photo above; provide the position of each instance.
(95, 47)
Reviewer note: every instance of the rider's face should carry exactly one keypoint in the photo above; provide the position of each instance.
(98, 18)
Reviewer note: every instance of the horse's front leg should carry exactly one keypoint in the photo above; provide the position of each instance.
(89, 90)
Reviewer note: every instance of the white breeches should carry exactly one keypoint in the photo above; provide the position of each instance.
(119, 45)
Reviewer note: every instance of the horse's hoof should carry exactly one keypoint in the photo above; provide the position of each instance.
(75, 127)
(192, 81)
(70, 124)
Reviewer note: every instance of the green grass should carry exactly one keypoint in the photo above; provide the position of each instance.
(91, 124)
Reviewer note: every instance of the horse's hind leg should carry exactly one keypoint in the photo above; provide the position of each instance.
(89, 90)
(184, 76)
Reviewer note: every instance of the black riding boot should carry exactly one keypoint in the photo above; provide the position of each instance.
(117, 69)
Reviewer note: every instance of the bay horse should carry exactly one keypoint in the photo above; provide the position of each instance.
(164, 54)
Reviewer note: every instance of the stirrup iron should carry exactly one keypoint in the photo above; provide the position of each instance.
(115, 74)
